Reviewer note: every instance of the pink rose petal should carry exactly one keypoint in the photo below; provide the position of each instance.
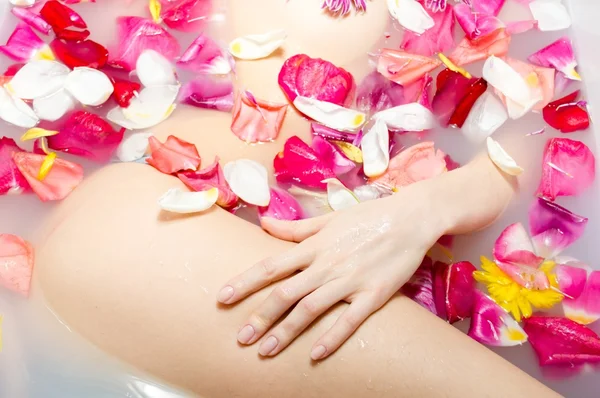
(571, 281)
(476, 24)
(377, 93)
(173, 156)
(439, 271)
(488, 7)
(558, 55)
(208, 92)
(283, 206)
(404, 68)
(331, 134)
(298, 163)
(63, 178)
(518, 27)
(23, 44)
(255, 120)
(343, 7)
(332, 156)
(569, 168)
(545, 79)
(420, 287)
(186, 15)
(16, 263)
(205, 56)
(585, 307)
(440, 38)
(11, 179)
(460, 290)
(88, 135)
(207, 178)
(32, 19)
(469, 51)
(560, 341)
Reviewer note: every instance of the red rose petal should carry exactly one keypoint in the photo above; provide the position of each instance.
(11, 179)
(16, 263)
(61, 17)
(210, 177)
(73, 35)
(455, 96)
(86, 53)
(124, 91)
(173, 156)
(567, 115)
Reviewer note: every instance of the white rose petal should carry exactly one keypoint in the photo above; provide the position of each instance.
(411, 15)
(54, 106)
(149, 108)
(330, 115)
(408, 117)
(487, 116)
(257, 46)
(183, 202)
(338, 196)
(249, 181)
(38, 79)
(155, 70)
(22, 3)
(89, 86)
(376, 149)
(133, 147)
(15, 111)
(502, 159)
(550, 15)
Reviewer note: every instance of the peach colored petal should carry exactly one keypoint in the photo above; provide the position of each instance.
(255, 120)
(545, 79)
(173, 156)
(416, 163)
(16, 263)
(469, 51)
(404, 68)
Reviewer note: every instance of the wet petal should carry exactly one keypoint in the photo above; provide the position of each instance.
(187, 15)
(550, 15)
(89, 86)
(494, 44)
(338, 196)
(585, 308)
(487, 116)
(420, 287)
(492, 325)
(569, 168)
(149, 108)
(23, 44)
(440, 38)
(155, 70)
(558, 55)
(540, 81)
(16, 263)
(474, 23)
(343, 7)
(210, 177)
(502, 159)
(61, 17)
(138, 34)
(315, 78)
(299, 163)
(518, 27)
(571, 281)
(133, 147)
(14, 111)
(455, 94)
(313, 203)
(205, 56)
(332, 156)
(125, 91)
(376, 149)
(62, 179)
(259, 46)
(256, 120)
(559, 341)
(38, 79)
(173, 156)
(249, 181)
(329, 114)
(88, 135)
(376, 93)
(409, 117)
(411, 15)
(54, 106)
(207, 92)
(32, 19)
(177, 201)
(553, 227)
(416, 163)
(567, 114)
(12, 181)
(459, 290)
(283, 206)
(404, 68)
(331, 134)
(85, 53)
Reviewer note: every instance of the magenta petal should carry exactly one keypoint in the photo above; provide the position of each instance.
(476, 24)
(377, 93)
(560, 341)
(88, 135)
(283, 206)
(439, 273)
(187, 15)
(558, 55)
(452, 88)
(488, 7)
(492, 325)
(11, 179)
(460, 288)
(553, 228)
(569, 168)
(585, 308)
(298, 163)
(440, 38)
(331, 134)
(571, 281)
(138, 34)
(22, 44)
(420, 287)
(207, 178)
(208, 92)
(32, 19)
(332, 156)
(205, 56)
(518, 27)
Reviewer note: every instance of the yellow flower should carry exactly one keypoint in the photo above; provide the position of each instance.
(513, 297)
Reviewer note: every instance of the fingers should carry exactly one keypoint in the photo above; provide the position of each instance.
(345, 326)
(295, 231)
(265, 272)
(305, 312)
(278, 302)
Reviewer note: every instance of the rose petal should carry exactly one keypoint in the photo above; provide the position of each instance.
(502, 159)
(16, 263)
(331, 134)
(332, 156)
(338, 196)
(492, 325)
(455, 91)
(138, 34)
(559, 341)
(38, 79)
(487, 116)
(89, 86)
(298, 163)
(173, 156)
(404, 68)
(571, 282)
(54, 106)
(187, 15)
(459, 290)
(409, 117)
(177, 201)
(12, 181)
(550, 15)
(420, 287)
(329, 114)
(558, 55)
(567, 115)
(32, 19)
(343, 7)
(255, 120)
(133, 147)
(435, 5)
(249, 181)
(86, 53)
(553, 227)
(440, 38)
(518, 27)
(252, 47)
(23, 44)
(125, 91)
(88, 135)
(61, 17)
(209, 93)
(315, 78)
(376, 149)
(474, 23)
(149, 108)
(376, 93)
(205, 56)
(155, 70)
(584, 308)
(15, 111)
(411, 15)
(494, 44)
(210, 177)
(283, 206)
(416, 163)
(62, 179)
(569, 168)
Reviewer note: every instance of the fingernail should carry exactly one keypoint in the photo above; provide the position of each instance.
(246, 334)
(225, 294)
(318, 352)
(268, 346)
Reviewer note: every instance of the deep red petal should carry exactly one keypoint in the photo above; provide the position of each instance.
(440, 270)
(61, 17)
(73, 35)
(566, 114)
(466, 104)
(124, 91)
(86, 53)
(460, 290)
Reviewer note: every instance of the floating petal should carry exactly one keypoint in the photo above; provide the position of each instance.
(456, 95)
(420, 287)
(16, 263)
(377, 93)
(133, 147)
(207, 178)
(259, 46)
(54, 106)
(585, 308)
(409, 117)
(494, 44)
(208, 92)
(12, 181)
(61, 17)
(15, 111)
(558, 55)
(338, 196)
(23, 44)
(411, 15)
(32, 19)
(283, 206)
(569, 168)
(299, 163)
(38, 79)
(187, 15)
(255, 120)
(332, 156)
(249, 181)
(149, 108)
(173, 156)
(125, 91)
(85, 53)
(89, 86)
(567, 114)
(376, 149)
(474, 23)
(343, 7)
(571, 281)
(155, 70)
(205, 56)
(331, 134)
(541, 84)
(404, 68)
(459, 290)
(440, 38)
(518, 27)
(502, 159)
(487, 116)
(177, 201)
(329, 114)
(550, 15)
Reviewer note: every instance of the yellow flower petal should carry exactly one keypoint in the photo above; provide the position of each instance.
(524, 306)
(450, 65)
(352, 152)
(155, 7)
(46, 166)
(37, 132)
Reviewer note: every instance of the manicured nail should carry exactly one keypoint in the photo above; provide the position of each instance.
(268, 346)
(225, 294)
(318, 352)
(246, 334)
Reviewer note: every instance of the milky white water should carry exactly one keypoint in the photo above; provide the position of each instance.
(42, 358)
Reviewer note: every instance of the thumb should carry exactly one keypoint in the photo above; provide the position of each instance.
(295, 231)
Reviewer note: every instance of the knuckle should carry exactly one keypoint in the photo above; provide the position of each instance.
(309, 307)
(283, 294)
(351, 322)
(268, 268)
